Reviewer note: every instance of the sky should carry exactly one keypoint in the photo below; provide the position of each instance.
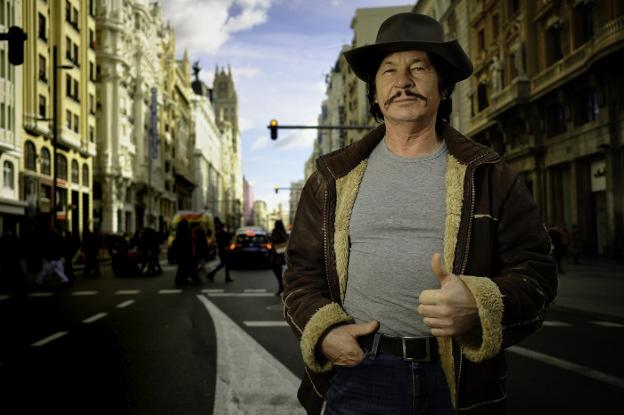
(280, 52)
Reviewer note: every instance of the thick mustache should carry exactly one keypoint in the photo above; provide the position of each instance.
(408, 93)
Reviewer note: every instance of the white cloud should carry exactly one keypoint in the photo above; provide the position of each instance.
(302, 139)
(260, 143)
(203, 26)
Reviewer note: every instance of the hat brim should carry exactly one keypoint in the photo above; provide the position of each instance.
(365, 60)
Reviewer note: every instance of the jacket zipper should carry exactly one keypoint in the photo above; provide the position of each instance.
(325, 242)
(466, 249)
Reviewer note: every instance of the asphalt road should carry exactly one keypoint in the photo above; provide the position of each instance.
(138, 346)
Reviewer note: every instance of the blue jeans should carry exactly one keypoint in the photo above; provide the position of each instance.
(389, 385)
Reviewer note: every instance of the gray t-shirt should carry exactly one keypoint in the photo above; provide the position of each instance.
(396, 225)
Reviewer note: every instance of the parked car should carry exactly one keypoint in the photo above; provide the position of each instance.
(194, 219)
(250, 247)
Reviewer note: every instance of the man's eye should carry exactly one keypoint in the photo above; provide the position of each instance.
(418, 68)
(389, 70)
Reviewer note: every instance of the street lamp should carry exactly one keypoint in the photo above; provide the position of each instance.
(55, 68)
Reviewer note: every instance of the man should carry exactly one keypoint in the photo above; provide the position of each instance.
(223, 240)
(416, 256)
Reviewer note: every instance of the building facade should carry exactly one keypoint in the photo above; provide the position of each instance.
(12, 205)
(58, 113)
(546, 95)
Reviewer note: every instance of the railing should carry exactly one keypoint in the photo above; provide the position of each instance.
(608, 34)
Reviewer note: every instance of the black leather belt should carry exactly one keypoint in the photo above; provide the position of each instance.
(419, 349)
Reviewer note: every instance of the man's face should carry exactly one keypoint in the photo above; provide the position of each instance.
(407, 88)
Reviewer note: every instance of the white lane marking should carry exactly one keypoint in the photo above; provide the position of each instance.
(125, 304)
(169, 291)
(240, 294)
(255, 290)
(4, 297)
(550, 323)
(249, 379)
(573, 367)
(83, 293)
(94, 317)
(35, 295)
(265, 323)
(608, 324)
(127, 292)
(214, 290)
(49, 339)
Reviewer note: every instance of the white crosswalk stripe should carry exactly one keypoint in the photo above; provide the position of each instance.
(49, 339)
(83, 293)
(94, 317)
(608, 324)
(550, 323)
(279, 323)
(125, 304)
(127, 292)
(170, 291)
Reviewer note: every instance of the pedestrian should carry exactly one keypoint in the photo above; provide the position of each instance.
(200, 250)
(53, 271)
(91, 252)
(416, 255)
(149, 248)
(279, 239)
(183, 252)
(223, 238)
(558, 250)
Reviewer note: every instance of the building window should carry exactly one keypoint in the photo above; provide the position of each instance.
(514, 6)
(30, 156)
(76, 90)
(42, 106)
(583, 24)
(68, 85)
(45, 162)
(2, 115)
(92, 8)
(76, 124)
(555, 120)
(92, 71)
(42, 69)
(76, 61)
(68, 10)
(9, 175)
(61, 165)
(42, 28)
(75, 174)
(2, 63)
(585, 106)
(68, 48)
(91, 39)
(553, 45)
(91, 104)
(481, 39)
(91, 134)
(482, 99)
(495, 26)
(68, 119)
(85, 175)
(2, 17)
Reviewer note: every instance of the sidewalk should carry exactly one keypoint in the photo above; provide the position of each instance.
(592, 287)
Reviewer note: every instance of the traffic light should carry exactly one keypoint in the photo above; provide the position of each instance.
(273, 128)
(16, 38)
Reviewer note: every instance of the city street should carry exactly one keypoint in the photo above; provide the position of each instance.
(139, 346)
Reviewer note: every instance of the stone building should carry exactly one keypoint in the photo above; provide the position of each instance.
(12, 206)
(128, 173)
(546, 95)
(64, 34)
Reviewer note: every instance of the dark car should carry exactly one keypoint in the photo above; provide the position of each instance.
(250, 247)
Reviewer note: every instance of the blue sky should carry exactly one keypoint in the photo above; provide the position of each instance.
(279, 52)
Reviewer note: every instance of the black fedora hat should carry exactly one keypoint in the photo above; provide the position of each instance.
(409, 31)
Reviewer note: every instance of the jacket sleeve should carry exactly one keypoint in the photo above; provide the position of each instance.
(308, 307)
(512, 302)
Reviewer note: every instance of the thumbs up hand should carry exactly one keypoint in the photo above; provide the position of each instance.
(450, 310)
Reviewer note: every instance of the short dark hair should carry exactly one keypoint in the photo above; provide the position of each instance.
(445, 87)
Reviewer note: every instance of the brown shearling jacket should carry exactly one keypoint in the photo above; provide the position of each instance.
(494, 238)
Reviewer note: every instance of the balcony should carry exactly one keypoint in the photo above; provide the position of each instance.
(68, 139)
(610, 34)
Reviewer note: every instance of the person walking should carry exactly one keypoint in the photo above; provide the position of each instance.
(223, 238)
(279, 239)
(416, 254)
(200, 249)
(183, 251)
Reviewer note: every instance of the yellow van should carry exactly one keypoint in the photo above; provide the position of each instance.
(194, 218)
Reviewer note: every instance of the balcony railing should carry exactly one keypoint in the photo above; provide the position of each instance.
(607, 35)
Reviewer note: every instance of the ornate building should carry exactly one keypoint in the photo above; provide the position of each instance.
(70, 32)
(546, 95)
(12, 209)
(226, 107)
(129, 184)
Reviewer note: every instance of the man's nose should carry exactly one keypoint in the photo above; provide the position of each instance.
(403, 80)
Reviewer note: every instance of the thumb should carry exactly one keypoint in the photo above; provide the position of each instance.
(363, 329)
(439, 269)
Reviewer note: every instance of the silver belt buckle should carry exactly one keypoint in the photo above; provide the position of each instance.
(427, 357)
